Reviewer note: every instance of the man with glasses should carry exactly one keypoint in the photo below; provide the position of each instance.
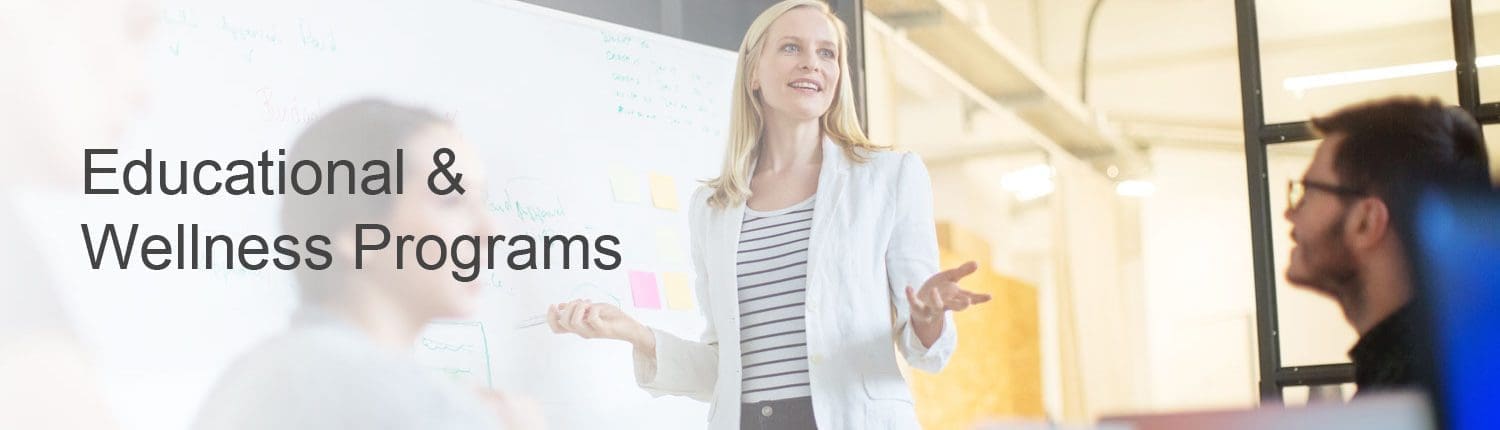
(1346, 246)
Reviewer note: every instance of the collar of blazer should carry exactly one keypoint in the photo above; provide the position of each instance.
(725, 226)
(831, 179)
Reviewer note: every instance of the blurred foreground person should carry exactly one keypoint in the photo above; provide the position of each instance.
(71, 76)
(346, 361)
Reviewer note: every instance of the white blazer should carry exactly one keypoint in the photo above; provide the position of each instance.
(872, 236)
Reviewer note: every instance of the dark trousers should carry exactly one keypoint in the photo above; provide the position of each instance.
(786, 414)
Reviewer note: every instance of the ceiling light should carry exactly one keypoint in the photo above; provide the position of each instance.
(1299, 84)
(1135, 188)
(1029, 183)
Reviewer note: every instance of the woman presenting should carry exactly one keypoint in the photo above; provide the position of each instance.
(806, 249)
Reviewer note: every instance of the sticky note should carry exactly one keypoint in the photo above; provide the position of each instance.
(626, 186)
(679, 294)
(643, 290)
(668, 248)
(663, 192)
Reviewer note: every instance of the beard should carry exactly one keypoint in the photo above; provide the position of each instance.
(1329, 267)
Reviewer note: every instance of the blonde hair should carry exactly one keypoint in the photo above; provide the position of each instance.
(840, 123)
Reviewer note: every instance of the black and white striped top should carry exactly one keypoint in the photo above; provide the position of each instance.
(772, 268)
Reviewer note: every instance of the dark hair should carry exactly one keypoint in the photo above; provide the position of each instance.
(1395, 142)
(358, 131)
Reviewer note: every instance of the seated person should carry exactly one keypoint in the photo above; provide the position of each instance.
(346, 361)
(1346, 246)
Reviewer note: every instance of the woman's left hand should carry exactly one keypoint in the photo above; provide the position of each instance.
(938, 295)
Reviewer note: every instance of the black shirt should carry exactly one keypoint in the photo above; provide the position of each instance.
(1388, 356)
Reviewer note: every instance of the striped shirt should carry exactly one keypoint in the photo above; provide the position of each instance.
(772, 269)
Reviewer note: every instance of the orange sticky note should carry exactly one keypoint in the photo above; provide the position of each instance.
(679, 294)
(663, 192)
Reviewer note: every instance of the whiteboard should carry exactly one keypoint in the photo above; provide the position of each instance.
(575, 118)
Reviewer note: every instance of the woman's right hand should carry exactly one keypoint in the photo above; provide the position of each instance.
(598, 320)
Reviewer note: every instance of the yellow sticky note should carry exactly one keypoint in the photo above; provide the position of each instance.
(668, 249)
(679, 294)
(626, 186)
(663, 192)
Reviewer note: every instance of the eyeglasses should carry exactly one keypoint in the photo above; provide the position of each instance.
(1296, 191)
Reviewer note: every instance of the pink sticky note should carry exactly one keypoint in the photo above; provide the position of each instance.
(643, 290)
